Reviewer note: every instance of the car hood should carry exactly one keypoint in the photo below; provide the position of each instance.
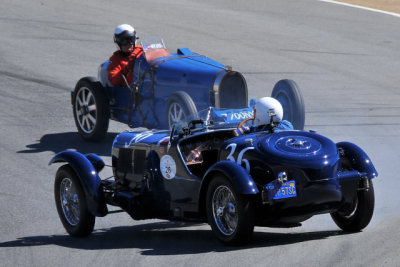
(149, 137)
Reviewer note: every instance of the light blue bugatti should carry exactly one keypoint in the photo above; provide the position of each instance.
(168, 88)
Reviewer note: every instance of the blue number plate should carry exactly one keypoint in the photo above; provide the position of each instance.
(278, 191)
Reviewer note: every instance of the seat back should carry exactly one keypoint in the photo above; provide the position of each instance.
(103, 74)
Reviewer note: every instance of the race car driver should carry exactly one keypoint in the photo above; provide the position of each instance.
(123, 60)
(268, 115)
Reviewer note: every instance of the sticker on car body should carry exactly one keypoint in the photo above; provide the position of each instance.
(167, 167)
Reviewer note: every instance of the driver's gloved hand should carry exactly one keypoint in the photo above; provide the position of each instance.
(129, 67)
(241, 131)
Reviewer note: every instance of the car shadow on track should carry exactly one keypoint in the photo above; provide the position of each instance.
(156, 239)
(57, 142)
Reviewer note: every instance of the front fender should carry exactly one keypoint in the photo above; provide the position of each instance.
(358, 159)
(88, 175)
(239, 177)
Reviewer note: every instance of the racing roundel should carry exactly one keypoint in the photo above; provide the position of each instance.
(167, 167)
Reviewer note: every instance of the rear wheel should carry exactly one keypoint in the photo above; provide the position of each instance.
(230, 214)
(180, 107)
(71, 203)
(90, 108)
(358, 217)
(289, 95)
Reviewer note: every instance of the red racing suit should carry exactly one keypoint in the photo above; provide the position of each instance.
(121, 63)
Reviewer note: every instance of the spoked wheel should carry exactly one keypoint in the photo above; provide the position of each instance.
(71, 205)
(180, 107)
(230, 214)
(360, 214)
(90, 108)
(289, 95)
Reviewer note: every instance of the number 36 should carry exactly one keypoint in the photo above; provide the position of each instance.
(240, 158)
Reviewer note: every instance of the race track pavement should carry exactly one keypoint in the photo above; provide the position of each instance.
(345, 60)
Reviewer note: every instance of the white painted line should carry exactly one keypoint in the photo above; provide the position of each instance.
(362, 7)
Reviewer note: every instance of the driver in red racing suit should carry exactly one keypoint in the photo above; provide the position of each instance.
(123, 60)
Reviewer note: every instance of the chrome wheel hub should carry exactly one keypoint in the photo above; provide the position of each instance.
(224, 210)
(69, 201)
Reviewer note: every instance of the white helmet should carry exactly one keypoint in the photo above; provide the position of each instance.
(266, 108)
(124, 33)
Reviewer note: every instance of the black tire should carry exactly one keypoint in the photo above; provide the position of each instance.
(359, 217)
(239, 211)
(71, 203)
(90, 108)
(180, 106)
(289, 95)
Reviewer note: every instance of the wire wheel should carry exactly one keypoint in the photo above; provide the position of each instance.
(69, 201)
(230, 214)
(224, 210)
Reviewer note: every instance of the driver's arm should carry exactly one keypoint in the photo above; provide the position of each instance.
(284, 126)
(117, 68)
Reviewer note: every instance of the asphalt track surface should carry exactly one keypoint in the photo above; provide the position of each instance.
(346, 61)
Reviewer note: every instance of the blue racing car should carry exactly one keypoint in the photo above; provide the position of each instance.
(218, 168)
(168, 87)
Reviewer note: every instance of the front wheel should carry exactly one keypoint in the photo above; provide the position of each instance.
(230, 214)
(180, 107)
(289, 95)
(359, 216)
(71, 204)
(90, 108)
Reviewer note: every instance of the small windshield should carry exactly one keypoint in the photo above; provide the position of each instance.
(212, 118)
(154, 47)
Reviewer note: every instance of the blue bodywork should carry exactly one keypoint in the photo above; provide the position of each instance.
(310, 159)
(206, 81)
(357, 159)
(155, 175)
(241, 179)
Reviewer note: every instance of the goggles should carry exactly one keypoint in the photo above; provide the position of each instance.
(127, 42)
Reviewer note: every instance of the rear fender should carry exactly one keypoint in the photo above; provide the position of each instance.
(86, 167)
(236, 174)
(357, 158)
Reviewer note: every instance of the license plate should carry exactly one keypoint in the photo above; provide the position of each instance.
(278, 191)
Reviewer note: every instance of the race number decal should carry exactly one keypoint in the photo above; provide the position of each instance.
(167, 167)
(240, 158)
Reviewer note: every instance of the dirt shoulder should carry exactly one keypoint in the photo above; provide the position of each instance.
(386, 5)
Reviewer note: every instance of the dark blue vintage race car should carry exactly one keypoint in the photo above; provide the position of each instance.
(168, 88)
(215, 170)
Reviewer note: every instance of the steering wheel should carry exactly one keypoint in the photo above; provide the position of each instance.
(192, 124)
